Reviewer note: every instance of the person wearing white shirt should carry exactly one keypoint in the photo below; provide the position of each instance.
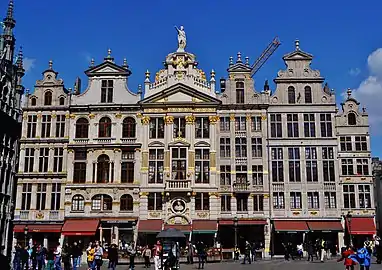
(300, 251)
(57, 260)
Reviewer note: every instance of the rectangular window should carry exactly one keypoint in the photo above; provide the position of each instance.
(154, 201)
(240, 92)
(347, 166)
(362, 166)
(156, 166)
(349, 196)
(311, 164)
(257, 175)
(330, 200)
(345, 144)
(202, 201)
(41, 196)
(256, 123)
(241, 202)
(80, 158)
(202, 166)
(107, 91)
(202, 128)
(294, 164)
(313, 200)
(225, 124)
(60, 126)
(225, 175)
(26, 197)
(309, 125)
(31, 126)
(179, 163)
(276, 126)
(56, 197)
(241, 174)
(326, 125)
(29, 159)
(328, 164)
(240, 147)
(258, 203)
(277, 165)
(127, 172)
(257, 147)
(43, 159)
(240, 123)
(225, 147)
(179, 127)
(295, 200)
(292, 125)
(46, 123)
(225, 203)
(58, 159)
(156, 128)
(364, 196)
(360, 143)
(278, 200)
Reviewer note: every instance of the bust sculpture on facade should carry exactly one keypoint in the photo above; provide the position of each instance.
(182, 40)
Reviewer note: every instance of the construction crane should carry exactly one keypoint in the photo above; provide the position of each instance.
(272, 47)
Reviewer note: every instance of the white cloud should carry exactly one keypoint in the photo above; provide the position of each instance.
(28, 63)
(354, 72)
(369, 92)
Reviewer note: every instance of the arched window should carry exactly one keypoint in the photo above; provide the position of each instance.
(352, 121)
(308, 94)
(33, 101)
(103, 169)
(102, 203)
(48, 98)
(128, 128)
(291, 95)
(78, 203)
(126, 203)
(104, 129)
(62, 101)
(240, 92)
(82, 128)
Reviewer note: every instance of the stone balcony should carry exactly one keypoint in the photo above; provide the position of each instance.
(128, 140)
(104, 140)
(241, 187)
(241, 160)
(240, 133)
(178, 185)
(38, 215)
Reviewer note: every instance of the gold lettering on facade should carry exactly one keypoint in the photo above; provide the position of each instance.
(213, 119)
(190, 119)
(169, 120)
(145, 120)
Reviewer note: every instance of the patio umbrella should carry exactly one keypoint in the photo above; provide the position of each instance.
(171, 233)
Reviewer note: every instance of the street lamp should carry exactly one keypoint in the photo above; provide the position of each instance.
(235, 227)
(348, 220)
(26, 230)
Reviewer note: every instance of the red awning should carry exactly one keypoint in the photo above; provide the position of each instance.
(204, 226)
(361, 225)
(46, 228)
(80, 227)
(183, 228)
(252, 222)
(325, 225)
(290, 225)
(225, 222)
(150, 225)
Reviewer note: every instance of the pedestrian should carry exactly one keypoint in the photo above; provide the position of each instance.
(247, 253)
(90, 256)
(348, 262)
(322, 250)
(76, 253)
(33, 257)
(363, 258)
(41, 253)
(300, 251)
(17, 257)
(311, 251)
(57, 257)
(147, 256)
(201, 254)
(378, 249)
(50, 260)
(328, 252)
(81, 247)
(98, 253)
(25, 258)
(286, 251)
(157, 255)
(65, 256)
(131, 251)
(254, 249)
(112, 255)
(190, 253)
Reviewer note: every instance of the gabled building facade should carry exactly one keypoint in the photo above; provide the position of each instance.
(223, 164)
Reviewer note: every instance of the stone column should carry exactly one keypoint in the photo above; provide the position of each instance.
(116, 235)
(21, 159)
(35, 163)
(53, 125)
(34, 198)
(137, 167)
(190, 135)
(38, 126)
(168, 133)
(233, 204)
(117, 166)
(145, 120)
(213, 138)
(69, 165)
(48, 197)
(91, 162)
(267, 236)
(51, 159)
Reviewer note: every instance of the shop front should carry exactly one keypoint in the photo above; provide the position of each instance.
(329, 230)
(148, 230)
(287, 231)
(358, 229)
(83, 230)
(47, 235)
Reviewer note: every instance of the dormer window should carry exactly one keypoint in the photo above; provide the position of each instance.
(308, 94)
(240, 92)
(107, 91)
(291, 95)
(33, 101)
(62, 101)
(48, 98)
(352, 119)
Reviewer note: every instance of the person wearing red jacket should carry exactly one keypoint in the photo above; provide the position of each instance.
(349, 263)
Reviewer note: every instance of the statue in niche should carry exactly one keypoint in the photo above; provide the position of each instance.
(182, 40)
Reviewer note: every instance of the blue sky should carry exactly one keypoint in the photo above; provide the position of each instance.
(341, 35)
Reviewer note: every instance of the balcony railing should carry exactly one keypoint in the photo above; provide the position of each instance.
(24, 214)
(240, 133)
(128, 140)
(241, 160)
(240, 187)
(81, 141)
(178, 184)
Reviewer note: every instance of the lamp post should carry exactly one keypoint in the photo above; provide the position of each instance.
(134, 224)
(26, 230)
(235, 227)
(348, 220)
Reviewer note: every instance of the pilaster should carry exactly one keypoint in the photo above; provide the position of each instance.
(50, 159)
(48, 197)
(34, 197)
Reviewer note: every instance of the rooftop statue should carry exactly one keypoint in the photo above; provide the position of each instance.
(182, 40)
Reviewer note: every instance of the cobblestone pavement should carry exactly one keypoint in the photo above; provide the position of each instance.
(262, 265)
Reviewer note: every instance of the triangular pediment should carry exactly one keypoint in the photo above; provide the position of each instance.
(180, 94)
(107, 68)
(298, 55)
(179, 142)
(239, 67)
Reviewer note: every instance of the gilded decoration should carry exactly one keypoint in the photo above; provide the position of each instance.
(266, 196)
(216, 194)
(72, 116)
(91, 115)
(39, 215)
(177, 220)
(139, 115)
(203, 214)
(232, 117)
(145, 120)
(136, 203)
(248, 117)
(39, 115)
(314, 213)
(296, 213)
(169, 120)
(213, 119)
(54, 115)
(213, 160)
(190, 119)
(144, 194)
(154, 214)
(118, 115)
(159, 75)
(263, 117)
